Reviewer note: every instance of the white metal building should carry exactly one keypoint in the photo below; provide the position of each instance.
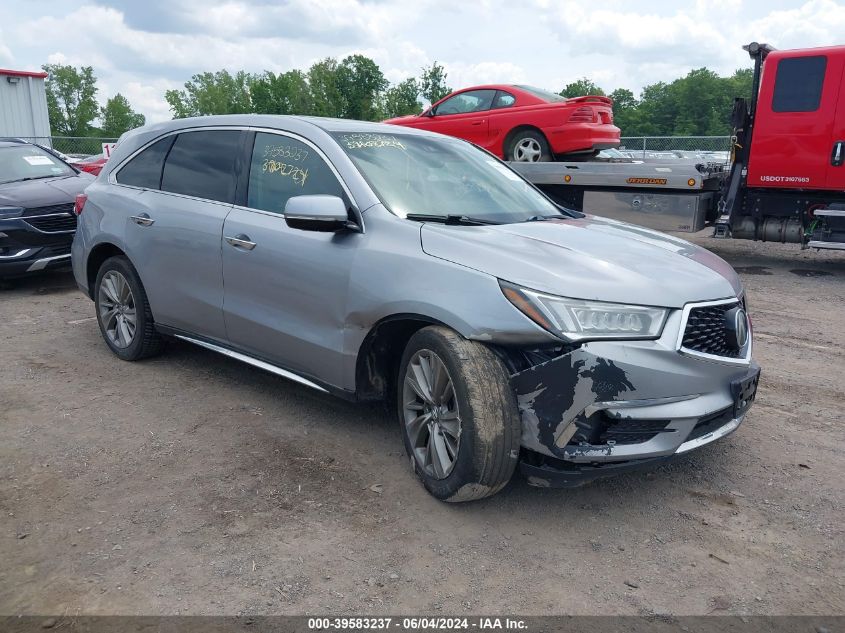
(23, 105)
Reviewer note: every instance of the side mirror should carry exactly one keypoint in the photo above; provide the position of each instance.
(317, 213)
(429, 112)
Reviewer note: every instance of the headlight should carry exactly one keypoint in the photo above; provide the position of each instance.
(577, 319)
(10, 212)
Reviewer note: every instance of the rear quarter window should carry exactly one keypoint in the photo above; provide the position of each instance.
(145, 169)
(798, 84)
(202, 164)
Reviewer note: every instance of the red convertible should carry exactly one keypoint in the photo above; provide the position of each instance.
(521, 123)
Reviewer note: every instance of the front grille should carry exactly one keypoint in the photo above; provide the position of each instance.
(53, 224)
(53, 208)
(707, 331)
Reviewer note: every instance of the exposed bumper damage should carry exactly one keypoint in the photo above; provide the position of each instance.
(607, 407)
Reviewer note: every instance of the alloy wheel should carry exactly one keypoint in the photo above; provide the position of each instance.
(430, 409)
(527, 150)
(116, 305)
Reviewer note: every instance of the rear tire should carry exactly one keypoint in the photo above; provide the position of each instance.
(528, 146)
(474, 398)
(123, 312)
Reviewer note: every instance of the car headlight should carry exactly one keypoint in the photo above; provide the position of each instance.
(578, 319)
(10, 212)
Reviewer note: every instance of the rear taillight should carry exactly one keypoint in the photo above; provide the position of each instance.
(584, 114)
(79, 203)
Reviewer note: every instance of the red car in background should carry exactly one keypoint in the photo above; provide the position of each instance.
(521, 123)
(92, 164)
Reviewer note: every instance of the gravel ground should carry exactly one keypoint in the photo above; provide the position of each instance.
(194, 484)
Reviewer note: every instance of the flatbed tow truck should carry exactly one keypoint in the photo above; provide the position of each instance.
(785, 181)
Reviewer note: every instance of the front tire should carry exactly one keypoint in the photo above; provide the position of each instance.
(458, 414)
(123, 312)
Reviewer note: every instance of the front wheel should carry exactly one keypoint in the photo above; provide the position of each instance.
(459, 416)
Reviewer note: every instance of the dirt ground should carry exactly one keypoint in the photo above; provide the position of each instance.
(193, 484)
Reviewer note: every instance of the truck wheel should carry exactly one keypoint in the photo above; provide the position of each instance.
(528, 146)
(459, 416)
(123, 312)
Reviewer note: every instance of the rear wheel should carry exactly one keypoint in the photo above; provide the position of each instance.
(123, 312)
(528, 146)
(459, 417)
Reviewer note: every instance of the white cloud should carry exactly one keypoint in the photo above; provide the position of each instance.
(816, 23)
(143, 49)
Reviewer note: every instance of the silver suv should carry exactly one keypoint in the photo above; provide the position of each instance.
(383, 263)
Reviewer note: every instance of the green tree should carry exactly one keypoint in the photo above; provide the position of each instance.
(118, 117)
(71, 99)
(625, 114)
(401, 99)
(211, 93)
(433, 83)
(623, 99)
(323, 81)
(361, 82)
(285, 93)
(658, 110)
(581, 88)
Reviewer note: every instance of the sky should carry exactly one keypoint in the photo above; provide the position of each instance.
(143, 48)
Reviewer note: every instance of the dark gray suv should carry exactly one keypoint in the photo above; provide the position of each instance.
(37, 195)
(373, 262)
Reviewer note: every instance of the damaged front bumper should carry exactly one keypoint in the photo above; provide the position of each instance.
(612, 406)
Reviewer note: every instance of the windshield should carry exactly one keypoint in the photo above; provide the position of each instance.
(545, 95)
(425, 176)
(25, 162)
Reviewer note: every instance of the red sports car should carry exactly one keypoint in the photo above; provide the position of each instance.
(92, 164)
(521, 123)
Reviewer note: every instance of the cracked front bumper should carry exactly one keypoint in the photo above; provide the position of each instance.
(611, 406)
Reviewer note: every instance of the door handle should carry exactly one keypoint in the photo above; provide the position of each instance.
(142, 219)
(241, 241)
(836, 157)
(481, 122)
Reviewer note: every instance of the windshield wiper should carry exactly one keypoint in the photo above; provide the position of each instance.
(34, 178)
(540, 218)
(458, 220)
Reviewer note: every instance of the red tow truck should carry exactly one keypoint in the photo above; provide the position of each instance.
(786, 178)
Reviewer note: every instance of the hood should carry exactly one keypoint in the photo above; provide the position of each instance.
(43, 192)
(588, 258)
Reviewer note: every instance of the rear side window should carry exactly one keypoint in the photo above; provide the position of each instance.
(202, 164)
(283, 167)
(145, 169)
(503, 100)
(798, 84)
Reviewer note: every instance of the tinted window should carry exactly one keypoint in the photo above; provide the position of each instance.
(545, 95)
(471, 101)
(504, 100)
(283, 167)
(202, 164)
(798, 84)
(145, 169)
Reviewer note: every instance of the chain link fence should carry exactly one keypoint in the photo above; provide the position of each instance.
(656, 147)
(713, 148)
(73, 146)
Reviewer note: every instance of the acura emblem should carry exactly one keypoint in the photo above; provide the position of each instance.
(736, 322)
